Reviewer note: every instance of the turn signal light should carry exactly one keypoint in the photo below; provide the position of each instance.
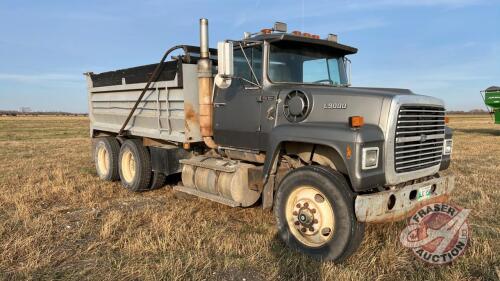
(356, 121)
(446, 119)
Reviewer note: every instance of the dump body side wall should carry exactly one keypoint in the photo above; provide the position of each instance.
(168, 110)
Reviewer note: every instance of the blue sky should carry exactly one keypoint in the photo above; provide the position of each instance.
(445, 48)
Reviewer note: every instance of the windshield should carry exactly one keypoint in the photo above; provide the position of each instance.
(306, 64)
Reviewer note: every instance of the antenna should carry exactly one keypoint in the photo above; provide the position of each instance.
(302, 20)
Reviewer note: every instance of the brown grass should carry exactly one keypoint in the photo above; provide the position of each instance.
(59, 221)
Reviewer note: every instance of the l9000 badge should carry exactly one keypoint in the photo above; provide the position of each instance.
(335, 106)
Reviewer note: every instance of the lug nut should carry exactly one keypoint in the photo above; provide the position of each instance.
(311, 229)
(297, 223)
(313, 211)
(303, 229)
(315, 221)
(306, 204)
(298, 205)
(295, 213)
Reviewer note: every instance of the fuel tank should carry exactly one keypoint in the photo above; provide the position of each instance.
(226, 178)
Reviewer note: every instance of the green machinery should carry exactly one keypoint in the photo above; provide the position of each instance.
(492, 99)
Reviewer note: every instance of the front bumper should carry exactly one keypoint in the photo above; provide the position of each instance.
(375, 207)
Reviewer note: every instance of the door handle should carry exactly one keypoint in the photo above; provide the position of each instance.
(219, 104)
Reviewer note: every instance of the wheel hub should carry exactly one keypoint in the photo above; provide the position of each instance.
(304, 216)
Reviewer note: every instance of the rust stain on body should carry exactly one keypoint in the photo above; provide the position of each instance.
(190, 115)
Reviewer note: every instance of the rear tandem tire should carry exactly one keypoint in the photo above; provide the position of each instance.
(314, 210)
(106, 151)
(135, 166)
(158, 180)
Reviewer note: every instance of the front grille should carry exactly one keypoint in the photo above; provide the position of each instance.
(419, 137)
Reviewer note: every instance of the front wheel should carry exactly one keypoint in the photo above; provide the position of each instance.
(314, 209)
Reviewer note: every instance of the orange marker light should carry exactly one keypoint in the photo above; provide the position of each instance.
(348, 152)
(356, 121)
(315, 36)
(297, 33)
(266, 31)
(446, 119)
(305, 34)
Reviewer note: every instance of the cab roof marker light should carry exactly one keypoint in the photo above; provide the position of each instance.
(266, 31)
(332, 37)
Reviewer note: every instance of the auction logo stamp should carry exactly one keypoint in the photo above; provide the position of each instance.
(437, 233)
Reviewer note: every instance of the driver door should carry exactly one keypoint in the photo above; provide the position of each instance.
(237, 109)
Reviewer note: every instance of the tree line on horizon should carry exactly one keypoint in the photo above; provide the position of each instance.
(38, 113)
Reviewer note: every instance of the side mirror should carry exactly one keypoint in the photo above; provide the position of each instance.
(225, 64)
(348, 67)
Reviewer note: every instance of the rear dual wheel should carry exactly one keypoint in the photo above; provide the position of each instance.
(135, 165)
(106, 151)
(314, 209)
(130, 164)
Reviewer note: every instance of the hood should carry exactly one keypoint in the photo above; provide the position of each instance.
(329, 104)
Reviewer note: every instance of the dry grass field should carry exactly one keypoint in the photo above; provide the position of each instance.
(59, 221)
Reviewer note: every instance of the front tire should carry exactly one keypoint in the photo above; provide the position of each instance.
(135, 166)
(314, 209)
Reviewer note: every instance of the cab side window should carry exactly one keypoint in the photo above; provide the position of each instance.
(241, 67)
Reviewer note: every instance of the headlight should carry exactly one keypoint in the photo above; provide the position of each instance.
(369, 158)
(448, 146)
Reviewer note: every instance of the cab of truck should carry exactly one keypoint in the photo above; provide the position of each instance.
(263, 66)
(289, 96)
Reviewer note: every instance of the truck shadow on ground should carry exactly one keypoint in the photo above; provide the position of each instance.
(492, 132)
(293, 265)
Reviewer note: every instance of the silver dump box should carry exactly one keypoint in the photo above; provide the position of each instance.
(168, 110)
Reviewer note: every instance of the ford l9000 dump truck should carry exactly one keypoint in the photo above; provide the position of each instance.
(272, 117)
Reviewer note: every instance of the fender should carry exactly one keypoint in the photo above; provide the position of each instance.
(337, 136)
